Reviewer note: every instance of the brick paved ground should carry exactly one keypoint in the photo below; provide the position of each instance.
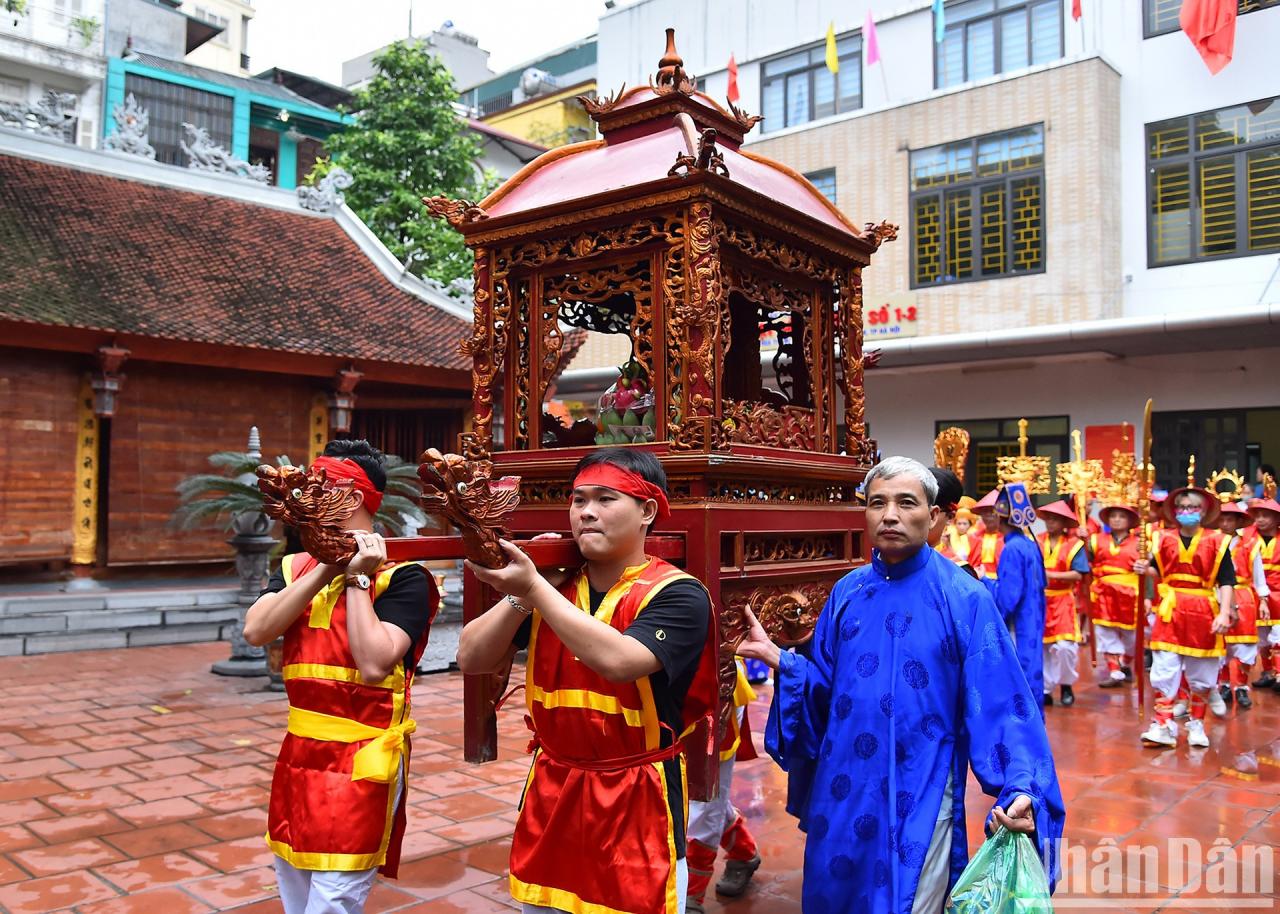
(136, 781)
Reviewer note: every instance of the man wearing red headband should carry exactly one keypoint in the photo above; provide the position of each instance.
(622, 662)
(352, 639)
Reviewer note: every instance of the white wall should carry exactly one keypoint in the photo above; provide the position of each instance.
(903, 406)
(1163, 78)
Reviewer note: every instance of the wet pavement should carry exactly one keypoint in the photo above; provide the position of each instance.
(136, 781)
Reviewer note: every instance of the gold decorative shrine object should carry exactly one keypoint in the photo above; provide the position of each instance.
(1081, 478)
(951, 450)
(1031, 470)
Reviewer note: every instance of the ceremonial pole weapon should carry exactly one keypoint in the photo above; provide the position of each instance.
(1146, 474)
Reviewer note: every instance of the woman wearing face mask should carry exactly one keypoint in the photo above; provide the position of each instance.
(1195, 608)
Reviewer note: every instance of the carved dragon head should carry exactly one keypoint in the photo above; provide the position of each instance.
(316, 507)
(465, 492)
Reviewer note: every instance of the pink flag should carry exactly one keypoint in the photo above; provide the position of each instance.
(870, 46)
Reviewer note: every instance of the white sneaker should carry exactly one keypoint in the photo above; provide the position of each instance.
(1180, 709)
(1196, 735)
(1216, 703)
(1160, 735)
(1117, 676)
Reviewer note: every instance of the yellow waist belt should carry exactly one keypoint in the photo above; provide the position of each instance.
(1057, 593)
(1119, 579)
(1169, 598)
(379, 761)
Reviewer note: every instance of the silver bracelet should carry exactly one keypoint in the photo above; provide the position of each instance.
(519, 606)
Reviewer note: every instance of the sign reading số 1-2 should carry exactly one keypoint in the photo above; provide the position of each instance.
(890, 317)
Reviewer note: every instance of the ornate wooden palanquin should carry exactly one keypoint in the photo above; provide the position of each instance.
(666, 230)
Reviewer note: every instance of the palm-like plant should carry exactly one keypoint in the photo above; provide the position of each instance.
(211, 498)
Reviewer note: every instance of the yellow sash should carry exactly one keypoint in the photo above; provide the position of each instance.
(379, 761)
(1176, 584)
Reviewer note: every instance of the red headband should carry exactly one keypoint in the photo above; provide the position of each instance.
(615, 477)
(344, 469)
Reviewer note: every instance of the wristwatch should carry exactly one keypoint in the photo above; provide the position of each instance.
(358, 580)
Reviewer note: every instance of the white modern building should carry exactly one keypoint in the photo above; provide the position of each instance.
(1088, 216)
(460, 52)
(52, 67)
(228, 50)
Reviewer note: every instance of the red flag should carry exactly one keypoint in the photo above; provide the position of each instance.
(1211, 26)
(732, 94)
(1075, 9)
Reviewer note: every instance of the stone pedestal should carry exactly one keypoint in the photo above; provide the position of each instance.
(253, 543)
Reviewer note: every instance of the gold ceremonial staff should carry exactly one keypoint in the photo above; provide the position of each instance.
(1146, 480)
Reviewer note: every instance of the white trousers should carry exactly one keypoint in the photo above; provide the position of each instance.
(707, 821)
(1167, 669)
(1245, 653)
(322, 891)
(1060, 661)
(327, 891)
(1273, 635)
(682, 887)
(1114, 640)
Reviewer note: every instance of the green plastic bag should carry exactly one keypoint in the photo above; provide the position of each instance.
(1005, 876)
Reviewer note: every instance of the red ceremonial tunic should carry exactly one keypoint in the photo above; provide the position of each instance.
(1243, 550)
(1188, 598)
(1061, 623)
(595, 834)
(332, 806)
(1116, 589)
(984, 553)
(1270, 553)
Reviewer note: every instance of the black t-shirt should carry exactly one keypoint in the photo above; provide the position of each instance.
(405, 603)
(1226, 571)
(674, 627)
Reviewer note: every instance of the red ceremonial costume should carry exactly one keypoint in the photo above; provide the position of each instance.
(1061, 623)
(333, 793)
(1116, 589)
(984, 553)
(1270, 553)
(1245, 548)
(595, 833)
(1188, 599)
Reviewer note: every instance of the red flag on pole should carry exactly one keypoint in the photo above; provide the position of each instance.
(1075, 9)
(732, 94)
(1211, 26)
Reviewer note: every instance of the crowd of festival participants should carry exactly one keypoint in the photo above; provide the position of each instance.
(1207, 593)
(934, 659)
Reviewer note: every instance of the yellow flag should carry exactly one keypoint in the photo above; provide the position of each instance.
(833, 59)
